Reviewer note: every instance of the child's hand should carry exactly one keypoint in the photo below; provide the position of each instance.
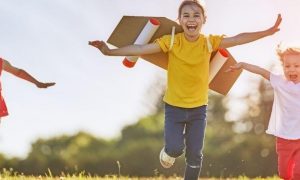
(44, 85)
(101, 45)
(235, 67)
(275, 27)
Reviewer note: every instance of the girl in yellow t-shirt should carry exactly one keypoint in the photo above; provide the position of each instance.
(186, 95)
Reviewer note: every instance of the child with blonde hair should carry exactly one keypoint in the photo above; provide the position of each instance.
(284, 122)
(186, 95)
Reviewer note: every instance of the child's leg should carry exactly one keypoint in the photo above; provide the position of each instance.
(174, 127)
(195, 129)
(284, 151)
(296, 172)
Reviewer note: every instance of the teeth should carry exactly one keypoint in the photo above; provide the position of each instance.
(293, 76)
(192, 27)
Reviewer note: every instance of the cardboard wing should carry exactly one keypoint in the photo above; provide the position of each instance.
(129, 28)
(223, 81)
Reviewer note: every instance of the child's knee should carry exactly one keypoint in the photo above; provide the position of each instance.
(194, 160)
(175, 151)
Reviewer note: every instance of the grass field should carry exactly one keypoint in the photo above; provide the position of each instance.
(11, 175)
(20, 177)
(122, 178)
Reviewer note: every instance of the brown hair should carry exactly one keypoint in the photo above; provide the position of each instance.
(192, 2)
(287, 50)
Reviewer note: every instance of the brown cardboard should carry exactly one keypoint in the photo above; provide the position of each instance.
(223, 81)
(130, 27)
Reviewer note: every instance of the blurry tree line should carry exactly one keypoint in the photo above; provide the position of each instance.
(232, 148)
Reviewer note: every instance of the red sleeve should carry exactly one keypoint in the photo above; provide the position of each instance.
(1, 61)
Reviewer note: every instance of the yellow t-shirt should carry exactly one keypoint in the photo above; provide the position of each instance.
(188, 69)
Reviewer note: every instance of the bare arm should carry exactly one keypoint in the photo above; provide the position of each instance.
(244, 38)
(131, 50)
(23, 75)
(251, 68)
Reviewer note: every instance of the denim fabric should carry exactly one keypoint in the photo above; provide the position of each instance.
(184, 130)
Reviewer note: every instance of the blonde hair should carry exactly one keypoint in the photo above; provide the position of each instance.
(193, 2)
(284, 50)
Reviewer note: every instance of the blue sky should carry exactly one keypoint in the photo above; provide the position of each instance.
(94, 93)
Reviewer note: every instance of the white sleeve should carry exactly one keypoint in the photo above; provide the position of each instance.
(275, 80)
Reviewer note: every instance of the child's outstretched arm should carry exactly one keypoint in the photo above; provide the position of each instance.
(131, 50)
(244, 38)
(24, 75)
(251, 68)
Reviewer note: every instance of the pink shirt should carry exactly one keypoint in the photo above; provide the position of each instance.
(3, 109)
(285, 117)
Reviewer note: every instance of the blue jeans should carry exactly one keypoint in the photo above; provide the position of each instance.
(184, 130)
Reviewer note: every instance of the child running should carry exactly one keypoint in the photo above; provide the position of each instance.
(6, 66)
(284, 122)
(186, 95)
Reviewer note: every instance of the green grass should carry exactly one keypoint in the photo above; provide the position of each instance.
(74, 177)
(11, 175)
(122, 178)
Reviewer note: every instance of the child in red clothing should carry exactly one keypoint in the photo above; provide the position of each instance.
(6, 66)
(284, 122)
